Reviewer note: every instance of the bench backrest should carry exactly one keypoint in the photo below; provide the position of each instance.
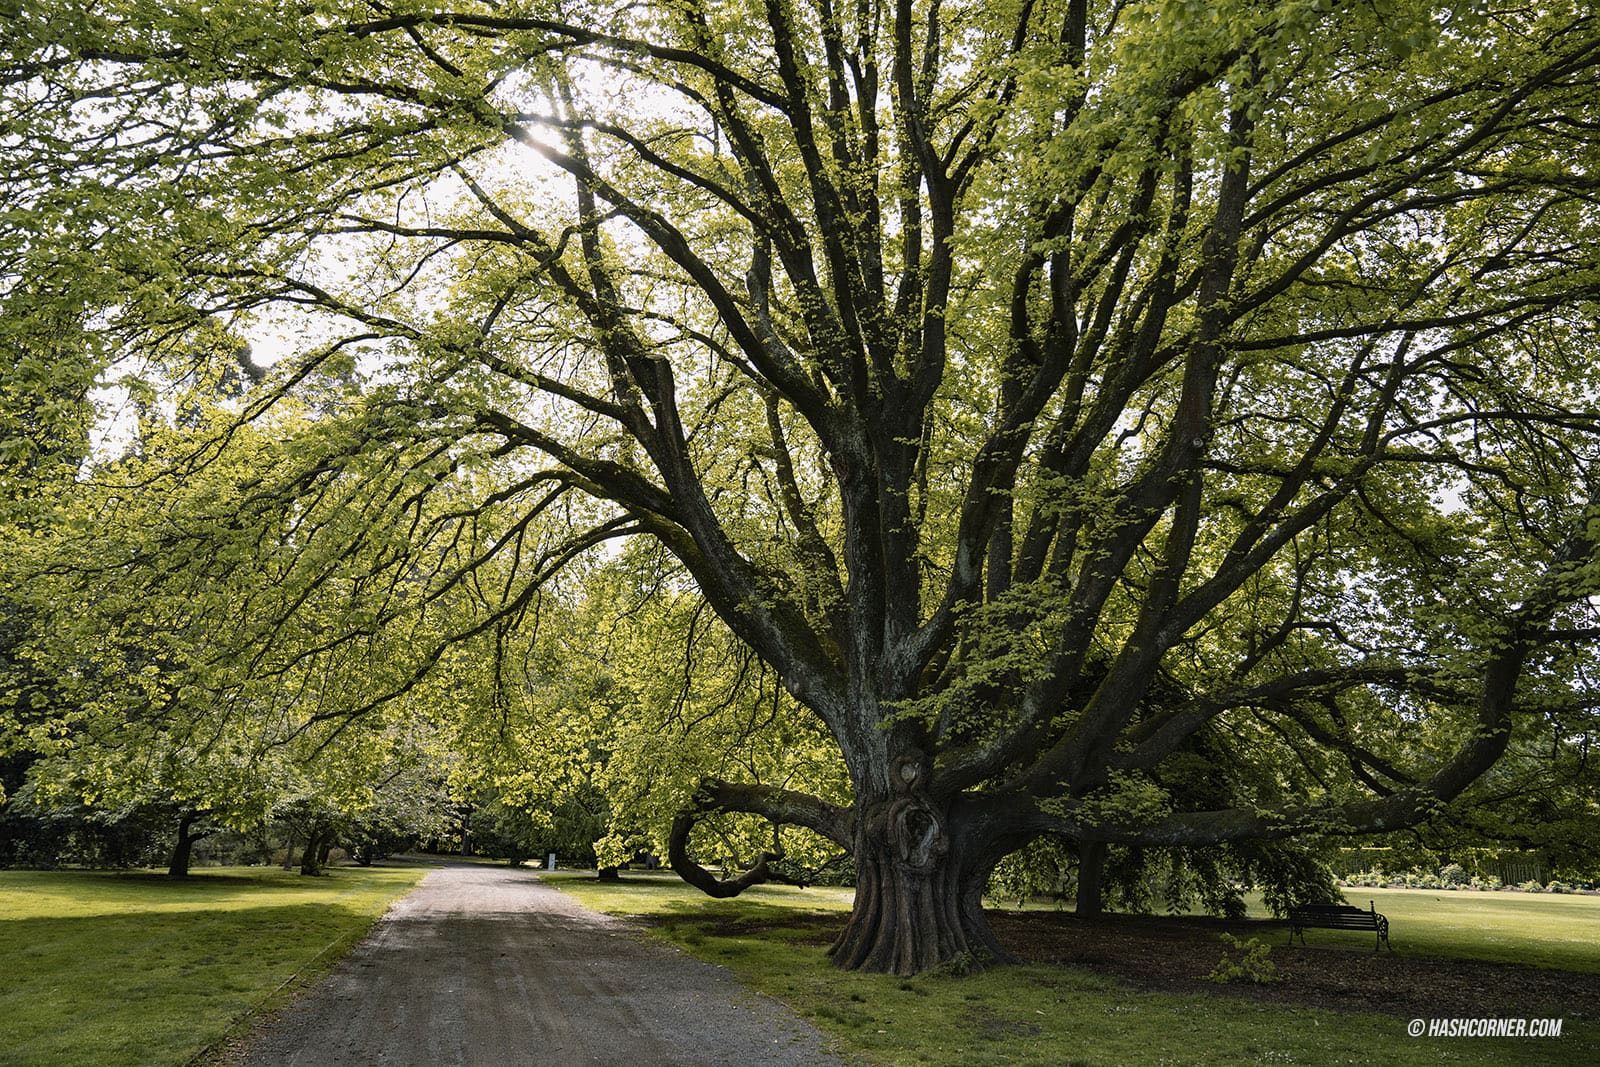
(1336, 916)
(1328, 909)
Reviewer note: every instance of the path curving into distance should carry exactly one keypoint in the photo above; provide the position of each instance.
(484, 966)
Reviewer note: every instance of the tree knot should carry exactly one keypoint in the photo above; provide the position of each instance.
(915, 833)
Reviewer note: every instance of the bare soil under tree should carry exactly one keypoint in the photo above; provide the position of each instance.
(1174, 954)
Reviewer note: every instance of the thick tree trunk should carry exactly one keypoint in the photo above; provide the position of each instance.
(922, 864)
(609, 874)
(1091, 878)
(311, 858)
(919, 895)
(182, 849)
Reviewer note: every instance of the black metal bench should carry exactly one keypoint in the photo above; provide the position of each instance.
(1339, 917)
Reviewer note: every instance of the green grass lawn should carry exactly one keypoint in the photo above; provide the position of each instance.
(114, 968)
(1039, 1015)
(1533, 929)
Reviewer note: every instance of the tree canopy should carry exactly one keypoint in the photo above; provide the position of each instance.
(1146, 422)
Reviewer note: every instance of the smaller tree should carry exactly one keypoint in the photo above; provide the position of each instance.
(412, 805)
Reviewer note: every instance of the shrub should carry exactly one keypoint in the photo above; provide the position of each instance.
(1454, 875)
(1251, 965)
(1558, 887)
(1531, 886)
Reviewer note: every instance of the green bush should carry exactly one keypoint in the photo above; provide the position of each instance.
(1453, 875)
(1251, 964)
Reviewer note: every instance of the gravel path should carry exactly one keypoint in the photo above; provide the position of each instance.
(484, 965)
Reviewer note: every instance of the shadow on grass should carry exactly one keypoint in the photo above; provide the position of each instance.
(730, 923)
(155, 984)
(88, 892)
(642, 881)
(146, 939)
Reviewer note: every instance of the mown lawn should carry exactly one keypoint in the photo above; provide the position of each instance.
(1556, 930)
(773, 939)
(111, 968)
(1533, 929)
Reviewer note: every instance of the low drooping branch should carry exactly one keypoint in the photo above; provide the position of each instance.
(781, 806)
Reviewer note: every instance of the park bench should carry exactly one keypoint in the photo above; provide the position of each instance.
(1339, 917)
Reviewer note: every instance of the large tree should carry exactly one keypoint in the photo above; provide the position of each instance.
(1075, 402)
